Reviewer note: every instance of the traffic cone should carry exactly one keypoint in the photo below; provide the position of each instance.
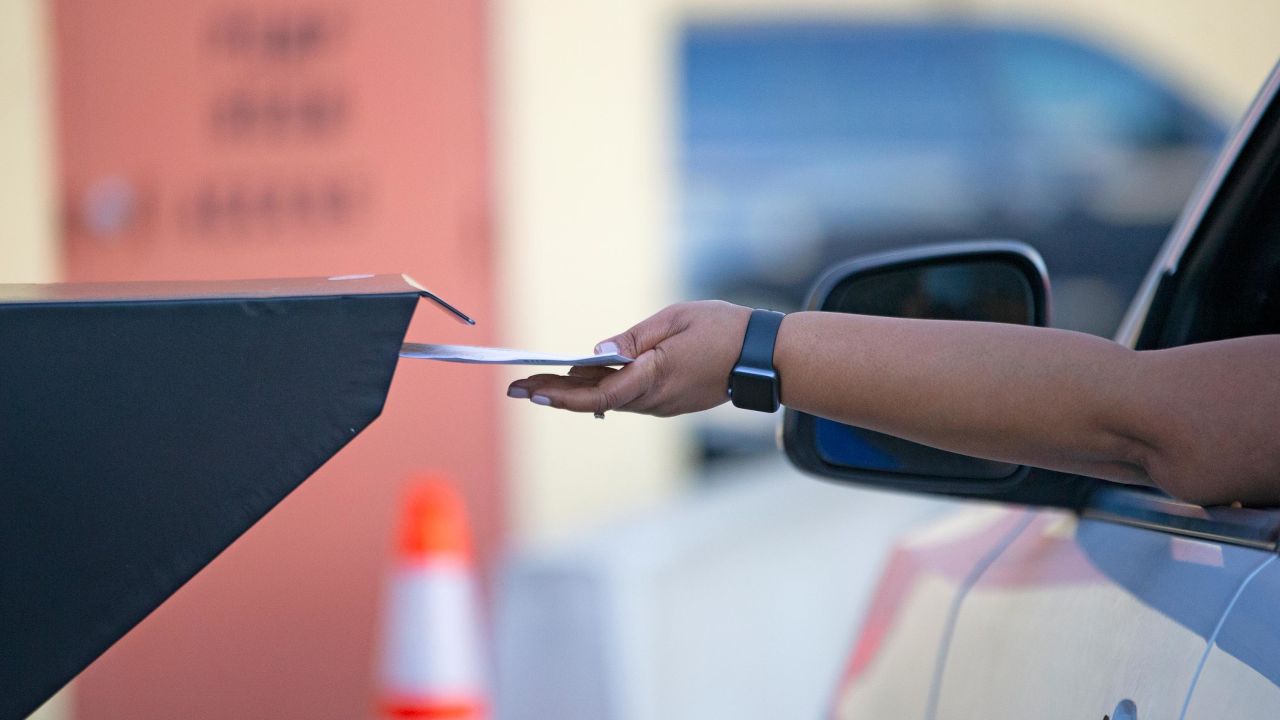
(432, 659)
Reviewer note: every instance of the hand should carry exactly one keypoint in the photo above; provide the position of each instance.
(683, 357)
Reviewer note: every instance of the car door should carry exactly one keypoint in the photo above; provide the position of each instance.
(1098, 600)
(1138, 605)
(1240, 673)
(1083, 618)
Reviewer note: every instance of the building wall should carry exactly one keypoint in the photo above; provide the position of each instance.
(582, 154)
(28, 239)
(28, 232)
(211, 139)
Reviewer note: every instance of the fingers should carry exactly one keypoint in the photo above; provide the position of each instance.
(590, 390)
(593, 373)
(683, 356)
(578, 375)
(600, 389)
(535, 385)
(643, 336)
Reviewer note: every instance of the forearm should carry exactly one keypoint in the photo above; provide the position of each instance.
(1200, 421)
(1025, 395)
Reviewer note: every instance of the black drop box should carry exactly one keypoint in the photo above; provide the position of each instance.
(146, 426)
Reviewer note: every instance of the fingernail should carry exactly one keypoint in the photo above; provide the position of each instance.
(517, 392)
(607, 348)
(541, 400)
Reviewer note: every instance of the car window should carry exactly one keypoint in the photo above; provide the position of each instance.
(814, 84)
(1242, 293)
(791, 132)
(1229, 285)
(1069, 92)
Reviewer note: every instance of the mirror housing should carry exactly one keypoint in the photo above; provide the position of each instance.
(987, 280)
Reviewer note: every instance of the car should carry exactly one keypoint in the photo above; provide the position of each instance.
(1062, 596)
(803, 144)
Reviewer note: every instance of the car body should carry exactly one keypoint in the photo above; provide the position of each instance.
(1073, 597)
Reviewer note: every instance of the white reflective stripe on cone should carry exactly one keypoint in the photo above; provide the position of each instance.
(431, 634)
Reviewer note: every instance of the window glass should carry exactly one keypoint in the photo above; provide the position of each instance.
(1063, 90)
(816, 84)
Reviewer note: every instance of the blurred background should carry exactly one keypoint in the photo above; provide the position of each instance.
(560, 169)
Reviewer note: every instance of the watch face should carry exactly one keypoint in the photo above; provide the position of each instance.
(754, 388)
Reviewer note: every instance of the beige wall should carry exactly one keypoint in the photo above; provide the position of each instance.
(28, 240)
(582, 148)
(27, 232)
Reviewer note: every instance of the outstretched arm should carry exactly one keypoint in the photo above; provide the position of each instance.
(1201, 421)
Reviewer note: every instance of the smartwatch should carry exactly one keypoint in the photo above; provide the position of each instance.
(753, 384)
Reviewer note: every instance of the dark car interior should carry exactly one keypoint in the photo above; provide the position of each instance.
(1231, 286)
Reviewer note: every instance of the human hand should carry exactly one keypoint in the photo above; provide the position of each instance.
(683, 357)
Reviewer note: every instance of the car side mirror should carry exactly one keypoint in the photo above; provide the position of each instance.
(993, 281)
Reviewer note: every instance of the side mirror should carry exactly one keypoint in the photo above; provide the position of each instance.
(995, 281)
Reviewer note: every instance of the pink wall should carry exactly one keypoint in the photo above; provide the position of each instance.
(215, 139)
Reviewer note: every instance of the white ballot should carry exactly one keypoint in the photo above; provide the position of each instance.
(502, 356)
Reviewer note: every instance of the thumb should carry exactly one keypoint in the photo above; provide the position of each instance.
(642, 337)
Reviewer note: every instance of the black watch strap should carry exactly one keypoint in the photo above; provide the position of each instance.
(754, 383)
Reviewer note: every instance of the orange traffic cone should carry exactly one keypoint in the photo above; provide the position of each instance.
(431, 660)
